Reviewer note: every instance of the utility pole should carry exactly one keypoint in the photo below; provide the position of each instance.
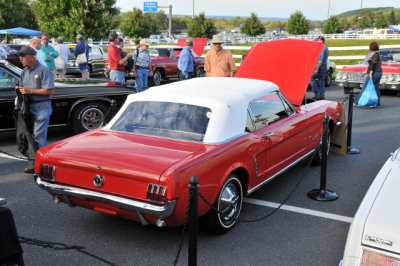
(193, 10)
(329, 5)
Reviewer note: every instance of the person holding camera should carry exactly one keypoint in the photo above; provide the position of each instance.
(115, 59)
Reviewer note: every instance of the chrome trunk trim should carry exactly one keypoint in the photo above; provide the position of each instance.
(124, 203)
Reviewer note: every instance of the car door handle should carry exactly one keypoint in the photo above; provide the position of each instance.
(269, 135)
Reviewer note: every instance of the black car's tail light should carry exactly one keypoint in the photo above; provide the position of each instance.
(47, 172)
(156, 193)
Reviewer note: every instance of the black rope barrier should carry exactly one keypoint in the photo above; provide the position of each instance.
(61, 246)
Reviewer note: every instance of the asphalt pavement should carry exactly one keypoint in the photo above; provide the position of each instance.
(302, 232)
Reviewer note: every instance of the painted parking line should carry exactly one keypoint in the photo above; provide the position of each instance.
(9, 156)
(299, 210)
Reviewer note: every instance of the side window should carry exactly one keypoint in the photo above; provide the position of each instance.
(96, 51)
(249, 123)
(267, 110)
(7, 79)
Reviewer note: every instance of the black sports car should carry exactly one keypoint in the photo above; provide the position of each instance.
(80, 104)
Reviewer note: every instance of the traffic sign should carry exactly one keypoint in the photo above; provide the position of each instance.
(150, 6)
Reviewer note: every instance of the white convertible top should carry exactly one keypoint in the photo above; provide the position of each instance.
(227, 98)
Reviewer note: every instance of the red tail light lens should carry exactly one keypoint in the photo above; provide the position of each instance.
(47, 172)
(156, 193)
(372, 258)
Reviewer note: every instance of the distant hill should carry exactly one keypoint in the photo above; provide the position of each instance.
(358, 11)
(232, 17)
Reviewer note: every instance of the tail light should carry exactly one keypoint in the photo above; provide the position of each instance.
(372, 258)
(156, 193)
(47, 172)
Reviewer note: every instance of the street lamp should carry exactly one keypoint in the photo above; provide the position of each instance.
(329, 4)
(193, 10)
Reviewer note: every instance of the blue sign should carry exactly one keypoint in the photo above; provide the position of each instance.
(240, 25)
(150, 6)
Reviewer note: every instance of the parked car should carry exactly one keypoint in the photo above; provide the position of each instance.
(374, 235)
(80, 104)
(96, 64)
(164, 61)
(12, 57)
(234, 134)
(350, 77)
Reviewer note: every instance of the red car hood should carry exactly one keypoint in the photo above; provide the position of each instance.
(139, 157)
(386, 68)
(288, 63)
(198, 44)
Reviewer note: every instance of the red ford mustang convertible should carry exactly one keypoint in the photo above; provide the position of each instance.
(234, 134)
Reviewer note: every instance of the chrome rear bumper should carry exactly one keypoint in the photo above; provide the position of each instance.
(128, 204)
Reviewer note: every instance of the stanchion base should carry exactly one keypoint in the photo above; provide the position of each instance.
(352, 150)
(322, 195)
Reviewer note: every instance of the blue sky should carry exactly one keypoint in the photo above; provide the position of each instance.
(312, 9)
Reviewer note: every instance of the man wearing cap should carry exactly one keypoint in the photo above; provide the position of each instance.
(185, 61)
(63, 50)
(117, 62)
(219, 62)
(318, 77)
(48, 54)
(82, 48)
(37, 82)
(142, 66)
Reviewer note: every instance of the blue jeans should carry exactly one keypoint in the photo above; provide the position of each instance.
(376, 78)
(318, 82)
(141, 79)
(117, 76)
(40, 116)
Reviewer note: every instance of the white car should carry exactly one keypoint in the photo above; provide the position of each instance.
(374, 235)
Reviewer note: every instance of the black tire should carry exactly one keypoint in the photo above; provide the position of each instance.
(346, 90)
(318, 151)
(328, 78)
(88, 116)
(199, 72)
(229, 201)
(156, 78)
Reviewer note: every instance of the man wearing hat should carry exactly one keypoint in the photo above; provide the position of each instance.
(37, 82)
(142, 66)
(82, 48)
(117, 62)
(185, 61)
(63, 50)
(219, 62)
(318, 77)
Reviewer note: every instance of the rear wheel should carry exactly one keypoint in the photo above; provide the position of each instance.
(199, 72)
(346, 90)
(328, 78)
(157, 77)
(88, 116)
(318, 152)
(228, 203)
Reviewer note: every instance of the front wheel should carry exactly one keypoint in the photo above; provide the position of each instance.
(228, 203)
(199, 72)
(88, 116)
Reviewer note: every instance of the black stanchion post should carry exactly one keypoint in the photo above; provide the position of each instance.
(350, 150)
(113, 108)
(193, 222)
(323, 194)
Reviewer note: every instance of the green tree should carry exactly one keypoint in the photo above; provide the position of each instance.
(252, 26)
(344, 23)
(297, 24)
(201, 27)
(137, 25)
(392, 18)
(237, 20)
(332, 26)
(367, 18)
(381, 22)
(161, 20)
(91, 18)
(16, 13)
(180, 22)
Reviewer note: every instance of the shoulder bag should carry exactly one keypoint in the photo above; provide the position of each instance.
(81, 58)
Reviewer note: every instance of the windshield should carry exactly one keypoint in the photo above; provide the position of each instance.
(387, 56)
(164, 119)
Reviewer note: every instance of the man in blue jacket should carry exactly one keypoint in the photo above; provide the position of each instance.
(318, 78)
(185, 62)
(80, 48)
